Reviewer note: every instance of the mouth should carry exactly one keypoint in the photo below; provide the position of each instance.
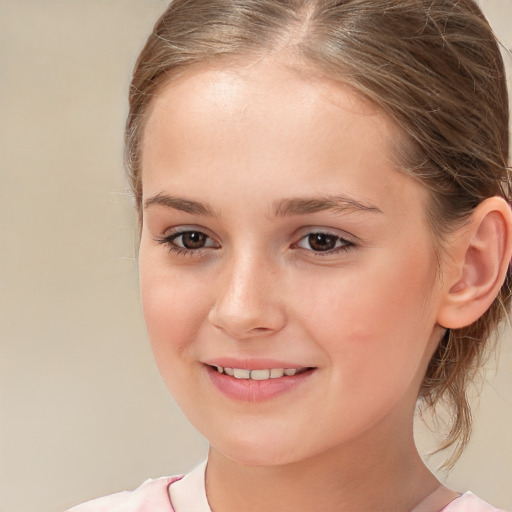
(260, 374)
(257, 384)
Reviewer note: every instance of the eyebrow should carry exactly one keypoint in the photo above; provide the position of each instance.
(281, 208)
(179, 203)
(338, 204)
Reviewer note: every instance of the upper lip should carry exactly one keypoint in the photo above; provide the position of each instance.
(253, 364)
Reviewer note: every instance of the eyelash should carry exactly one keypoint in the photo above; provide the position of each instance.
(345, 244)
(169, 241)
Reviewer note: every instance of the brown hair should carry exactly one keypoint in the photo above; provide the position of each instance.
(433, 66)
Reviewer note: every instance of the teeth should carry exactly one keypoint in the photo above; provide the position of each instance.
(276, 373)
(260, 374)
(242, 373)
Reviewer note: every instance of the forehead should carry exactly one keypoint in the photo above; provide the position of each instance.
(267, 85)
(263, 124)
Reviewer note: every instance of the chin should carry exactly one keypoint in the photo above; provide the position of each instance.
(261, 452)
(257, 458)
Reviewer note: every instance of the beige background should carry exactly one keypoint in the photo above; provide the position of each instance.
(82, 409)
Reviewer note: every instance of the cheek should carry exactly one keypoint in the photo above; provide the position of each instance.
(375, 333)
(174, 307)
(372, 320)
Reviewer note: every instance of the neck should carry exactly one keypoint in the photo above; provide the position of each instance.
(363, 477)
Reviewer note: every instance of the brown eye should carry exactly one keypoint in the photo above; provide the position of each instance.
(190, 240)
(322, 241)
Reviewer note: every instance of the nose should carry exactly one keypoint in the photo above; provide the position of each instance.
(248, 302)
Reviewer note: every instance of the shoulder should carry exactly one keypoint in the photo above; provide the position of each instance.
(470, 503)
(151, 495)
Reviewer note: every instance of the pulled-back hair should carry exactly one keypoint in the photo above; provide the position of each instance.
(433, 66)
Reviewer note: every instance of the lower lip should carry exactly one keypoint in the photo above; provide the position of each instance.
(248, 390)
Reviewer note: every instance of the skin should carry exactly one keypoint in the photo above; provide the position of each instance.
(364, 316)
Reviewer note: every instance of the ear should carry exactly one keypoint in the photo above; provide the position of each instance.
(478, 259)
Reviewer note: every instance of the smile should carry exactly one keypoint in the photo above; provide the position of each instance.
(265, 374)
(257, 384)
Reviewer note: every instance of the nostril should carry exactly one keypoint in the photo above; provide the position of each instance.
(241, 319)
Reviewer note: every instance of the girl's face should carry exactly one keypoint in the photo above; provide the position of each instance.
(278, 238)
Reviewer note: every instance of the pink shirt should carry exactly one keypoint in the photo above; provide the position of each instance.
(153, 496)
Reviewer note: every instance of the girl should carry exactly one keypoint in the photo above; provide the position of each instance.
(325, 237)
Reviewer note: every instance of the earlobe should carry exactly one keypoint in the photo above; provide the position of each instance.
(479, 256)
